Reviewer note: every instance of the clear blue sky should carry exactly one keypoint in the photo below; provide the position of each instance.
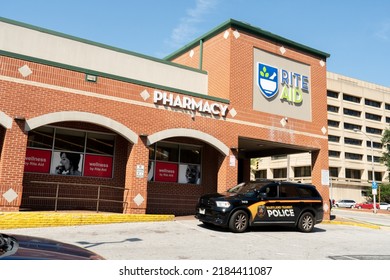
(355, 33)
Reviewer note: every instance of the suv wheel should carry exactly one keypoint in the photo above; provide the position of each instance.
(239, 221)
(306, 222)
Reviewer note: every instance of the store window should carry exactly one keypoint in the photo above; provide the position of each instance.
(41, 138)
(68, 140)
(61, 151)
(176, 163)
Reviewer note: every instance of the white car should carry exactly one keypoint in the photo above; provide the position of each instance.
(347, 203)
(384, 206)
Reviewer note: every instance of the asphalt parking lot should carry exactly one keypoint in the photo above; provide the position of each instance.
(188, 239)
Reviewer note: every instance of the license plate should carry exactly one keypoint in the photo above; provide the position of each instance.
(202, 211)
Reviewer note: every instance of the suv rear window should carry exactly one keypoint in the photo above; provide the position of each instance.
(288, 191)
(305, 191)
(295, 191)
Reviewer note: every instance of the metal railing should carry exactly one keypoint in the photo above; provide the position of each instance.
(98, 198)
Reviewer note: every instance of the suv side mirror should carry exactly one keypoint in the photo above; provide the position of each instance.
(262, 196)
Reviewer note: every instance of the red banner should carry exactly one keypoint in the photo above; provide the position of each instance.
(37, 161)
(166, 172)
(98, 166)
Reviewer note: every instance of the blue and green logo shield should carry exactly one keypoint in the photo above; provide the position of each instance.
(267, 80)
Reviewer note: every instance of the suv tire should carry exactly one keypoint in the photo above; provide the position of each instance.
(238, 221)
(306, 222)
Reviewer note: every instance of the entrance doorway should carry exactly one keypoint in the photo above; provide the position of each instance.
(273, 160)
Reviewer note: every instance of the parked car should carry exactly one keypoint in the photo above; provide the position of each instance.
(384, 206)
(23, 247)
(346, 203)
(366, 205)
(262, 203)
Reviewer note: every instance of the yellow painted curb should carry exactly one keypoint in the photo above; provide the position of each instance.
(352, 224)
(10, 220)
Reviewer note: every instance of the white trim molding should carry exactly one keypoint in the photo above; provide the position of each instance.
(192, 133)
(82, 117)
(5, 120)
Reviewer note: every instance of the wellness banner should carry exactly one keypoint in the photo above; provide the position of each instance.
(98, 166)
(37, 161)
(166, 172)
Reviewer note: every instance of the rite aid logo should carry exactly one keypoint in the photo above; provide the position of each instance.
(267, 80)
(292, 84)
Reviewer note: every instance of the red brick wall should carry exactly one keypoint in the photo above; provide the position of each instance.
(228, 63)
(19, 99)
(239, 77)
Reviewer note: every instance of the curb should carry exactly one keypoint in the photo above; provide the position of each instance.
(349, 223)
(11, 220)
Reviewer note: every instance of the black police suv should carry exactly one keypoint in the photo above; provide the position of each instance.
(262, 203)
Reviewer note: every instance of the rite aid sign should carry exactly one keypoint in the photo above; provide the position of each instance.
(281, 86)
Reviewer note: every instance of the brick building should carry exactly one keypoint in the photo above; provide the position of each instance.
(85, 126)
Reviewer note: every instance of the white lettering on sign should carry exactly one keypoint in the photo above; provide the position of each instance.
(281, 213)
(189, 103)
(35, 161)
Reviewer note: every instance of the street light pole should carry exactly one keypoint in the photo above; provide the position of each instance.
(372, 166)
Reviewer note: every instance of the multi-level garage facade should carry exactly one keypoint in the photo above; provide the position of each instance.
(358, 114)
(87, 126)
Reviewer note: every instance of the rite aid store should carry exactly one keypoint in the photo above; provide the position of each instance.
(85, 126)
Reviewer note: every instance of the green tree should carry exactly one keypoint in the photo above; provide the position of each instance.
(385, 158)
(383, 193)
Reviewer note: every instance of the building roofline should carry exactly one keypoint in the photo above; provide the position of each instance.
(174, 84)
(231, 23)
(93, 43)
